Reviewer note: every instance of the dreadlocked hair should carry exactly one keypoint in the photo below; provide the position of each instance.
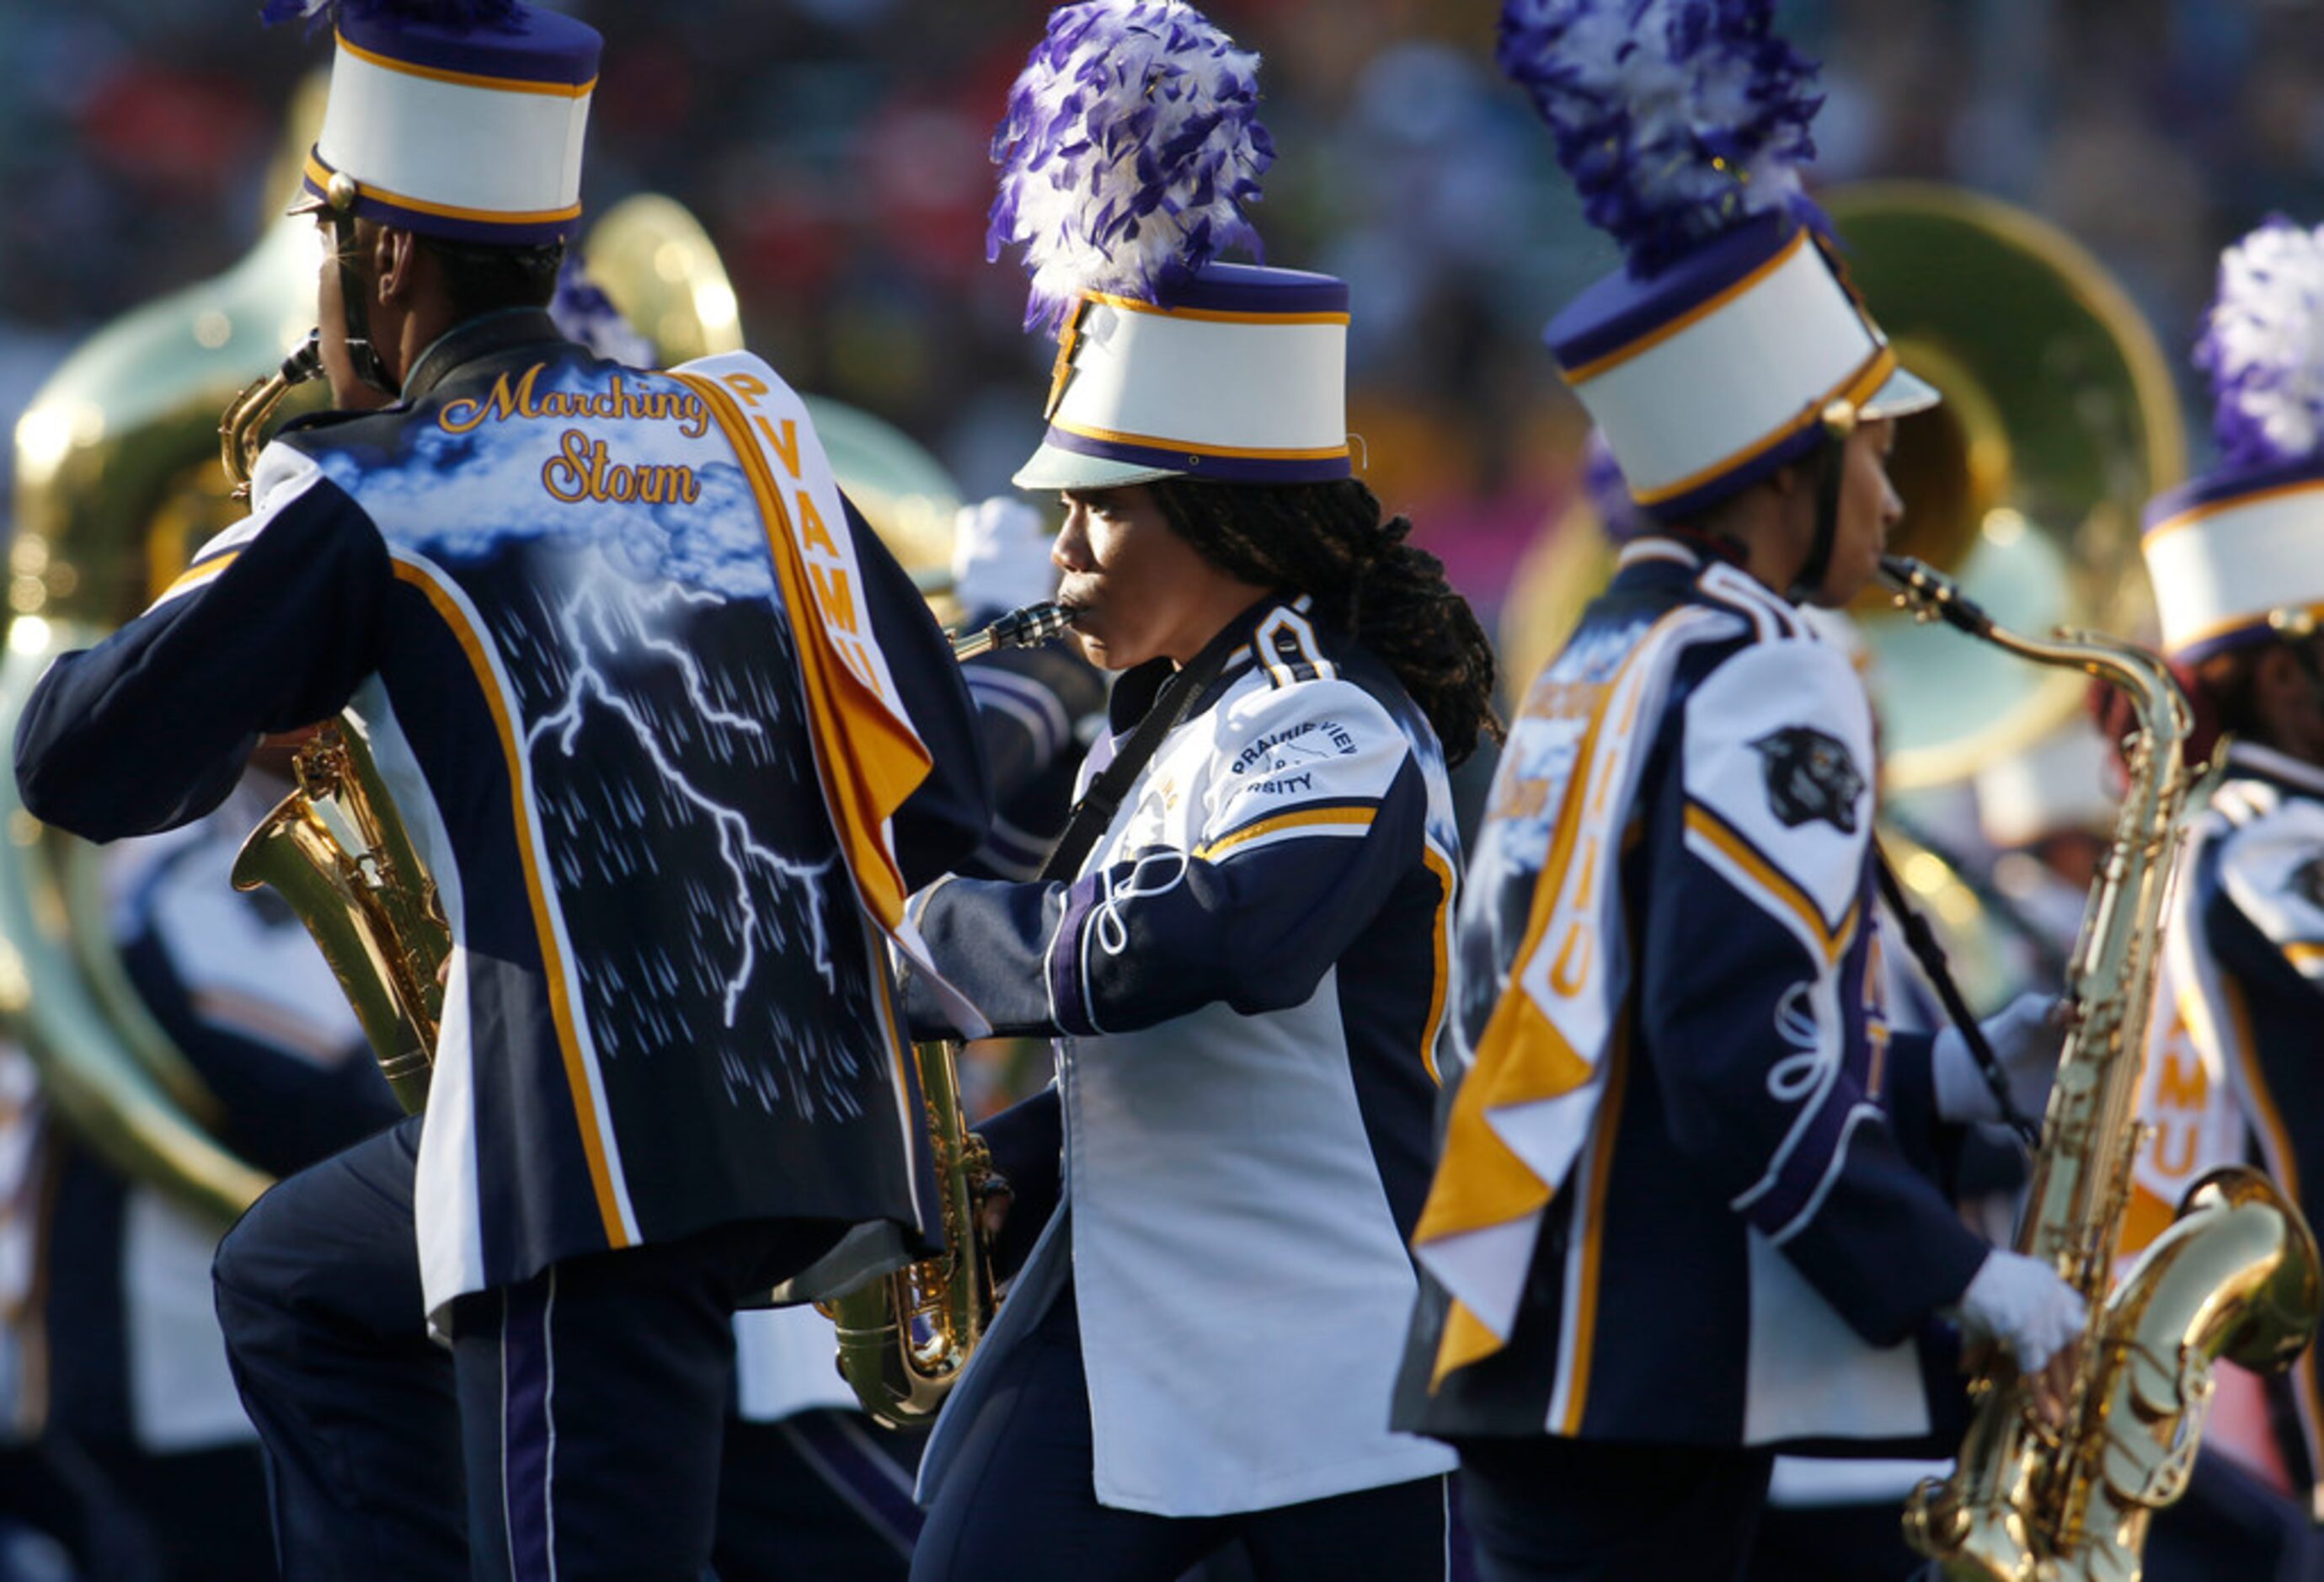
(1328, 541)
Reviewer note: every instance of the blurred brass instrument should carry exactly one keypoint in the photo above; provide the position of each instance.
(902, 491)
(905, 1336)
(2235, 1275)
(116, 481)
(2060, 422)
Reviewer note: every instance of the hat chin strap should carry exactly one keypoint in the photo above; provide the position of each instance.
(1838, 420)
(355, 296)
(1828, 475)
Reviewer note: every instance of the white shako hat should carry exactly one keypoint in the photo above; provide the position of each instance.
(1130, 148)
(1723, 348)
(456, 118)
(2237, 556)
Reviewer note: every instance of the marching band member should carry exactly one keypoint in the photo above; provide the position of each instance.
(673, 735)
(808, 1484)
(1240, 950)
(2238, 562)
(1688, 1210)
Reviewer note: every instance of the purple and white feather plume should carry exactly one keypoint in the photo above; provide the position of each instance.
(2263, 346)
(1130, 149)
(1677, 119)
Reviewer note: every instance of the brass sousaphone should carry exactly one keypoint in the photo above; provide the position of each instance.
(2060, 422)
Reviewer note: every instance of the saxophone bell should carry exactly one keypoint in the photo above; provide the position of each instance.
(337, 850)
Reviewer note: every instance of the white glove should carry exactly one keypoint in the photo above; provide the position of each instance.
(2022, 1303)
(2027, 1039)
(1000, 556)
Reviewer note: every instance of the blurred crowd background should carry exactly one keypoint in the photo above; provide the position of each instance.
(836, 150)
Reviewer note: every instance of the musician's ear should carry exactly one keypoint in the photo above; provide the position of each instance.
(398, 262)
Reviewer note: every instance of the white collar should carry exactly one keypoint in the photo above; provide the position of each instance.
(2277, 765)
(1654, 546)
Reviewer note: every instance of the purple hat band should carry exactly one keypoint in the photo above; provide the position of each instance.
(2215, 491)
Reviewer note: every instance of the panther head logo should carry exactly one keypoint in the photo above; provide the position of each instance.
(1811, 775)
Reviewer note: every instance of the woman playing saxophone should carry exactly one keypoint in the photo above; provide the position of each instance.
(1241, 954)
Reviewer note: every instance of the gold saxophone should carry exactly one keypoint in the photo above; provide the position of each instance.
(905, 1336)
(2235, 1275)
(335, 848)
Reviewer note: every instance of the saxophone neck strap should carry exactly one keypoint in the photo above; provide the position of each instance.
(1921, 941)
(355, 303)
(1094, 812)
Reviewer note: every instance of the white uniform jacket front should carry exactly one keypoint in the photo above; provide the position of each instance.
(1245, 985)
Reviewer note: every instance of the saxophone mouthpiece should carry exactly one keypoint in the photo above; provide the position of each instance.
(1930, 595)
(1018, 629)
(306, 362)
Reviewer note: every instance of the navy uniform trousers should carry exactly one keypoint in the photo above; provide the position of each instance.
(573, 1430)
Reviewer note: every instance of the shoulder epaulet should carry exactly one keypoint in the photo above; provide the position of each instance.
(1286, 648)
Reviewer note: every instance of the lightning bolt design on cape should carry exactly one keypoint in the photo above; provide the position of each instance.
(599, 626)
